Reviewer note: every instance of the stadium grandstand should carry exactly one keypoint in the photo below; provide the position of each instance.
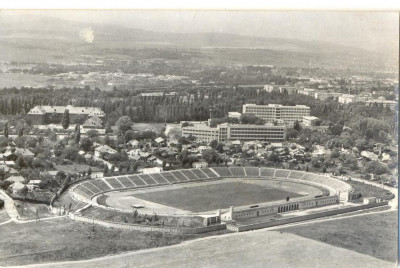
(86, 190)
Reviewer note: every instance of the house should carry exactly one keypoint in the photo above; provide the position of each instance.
(159, 140)
(13, 152)
(201, 148)
(151, 159)
(200, 164)
(96, 174)
(33, 184)
(104, 150)
(152, 170)
(14, 179)
(369, 155)
(17, 187)
(93, 122)
(7, 163)
(134, 143)
(319, 150)
(54, 114)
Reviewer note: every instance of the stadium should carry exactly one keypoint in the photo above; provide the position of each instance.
(210, 196)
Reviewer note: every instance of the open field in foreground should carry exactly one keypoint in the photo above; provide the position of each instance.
(260, 248)
(375, 235)
(206, 197)
(64, 239)
(68, 240)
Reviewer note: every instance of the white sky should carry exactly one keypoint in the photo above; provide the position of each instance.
(375, 31)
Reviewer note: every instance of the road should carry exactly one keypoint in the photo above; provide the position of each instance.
(13, 213)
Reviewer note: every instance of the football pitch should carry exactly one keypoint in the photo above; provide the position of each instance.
(207, 197)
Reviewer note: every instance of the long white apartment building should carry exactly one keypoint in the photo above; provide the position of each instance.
(272, 112)
(229, 132)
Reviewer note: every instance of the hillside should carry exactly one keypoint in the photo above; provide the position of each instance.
(51, 39)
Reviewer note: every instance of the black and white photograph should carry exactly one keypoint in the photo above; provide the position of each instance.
(199, 138)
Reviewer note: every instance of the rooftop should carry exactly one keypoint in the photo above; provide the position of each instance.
(91, 111)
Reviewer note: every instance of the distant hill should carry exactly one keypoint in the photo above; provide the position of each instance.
(39, 38)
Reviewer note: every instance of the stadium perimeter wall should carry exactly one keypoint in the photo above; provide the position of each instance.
(278, 207)
(144, 228)
(242, 228)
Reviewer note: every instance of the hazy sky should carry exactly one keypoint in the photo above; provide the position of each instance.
(370, 30)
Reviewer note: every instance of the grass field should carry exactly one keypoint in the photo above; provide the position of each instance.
(3, 215)
(64, 239)
(374, 235)
(368, 190)
(217, 196)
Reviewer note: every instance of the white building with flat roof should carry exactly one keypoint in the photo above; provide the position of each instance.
(273, 112)
(310, 120)
(234, 115)
(346, 98)
(229, 132)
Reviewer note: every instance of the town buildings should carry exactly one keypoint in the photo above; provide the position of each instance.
(54, 114)
(276, 112)
(228, 132)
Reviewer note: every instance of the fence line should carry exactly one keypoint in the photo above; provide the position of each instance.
(143, 228)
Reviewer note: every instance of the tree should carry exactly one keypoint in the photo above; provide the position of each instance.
(24, 191)
(291, 133)
(92, 133)
(274, 157)
(86, 144)
(251, 119)
(220, 147)
(124, 124)
(89, 172)
(214, 144)
(108, 128)
(60, 176)
(105, 170)
(6, 130)
(129, 135)
(20, 132)
(20, 163)
(65, 119)
(336, 129)
(77, 133)
(179, 147)
(296, 125)
(369, 134)
(376, 168)
(210, 156)
(112, 169)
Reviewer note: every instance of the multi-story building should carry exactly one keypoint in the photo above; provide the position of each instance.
(307, 91)
(346, 98)
(202, 132)
(53, 114)
(384, 103)
(228, 132)
(321, 95)
(274, 112)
